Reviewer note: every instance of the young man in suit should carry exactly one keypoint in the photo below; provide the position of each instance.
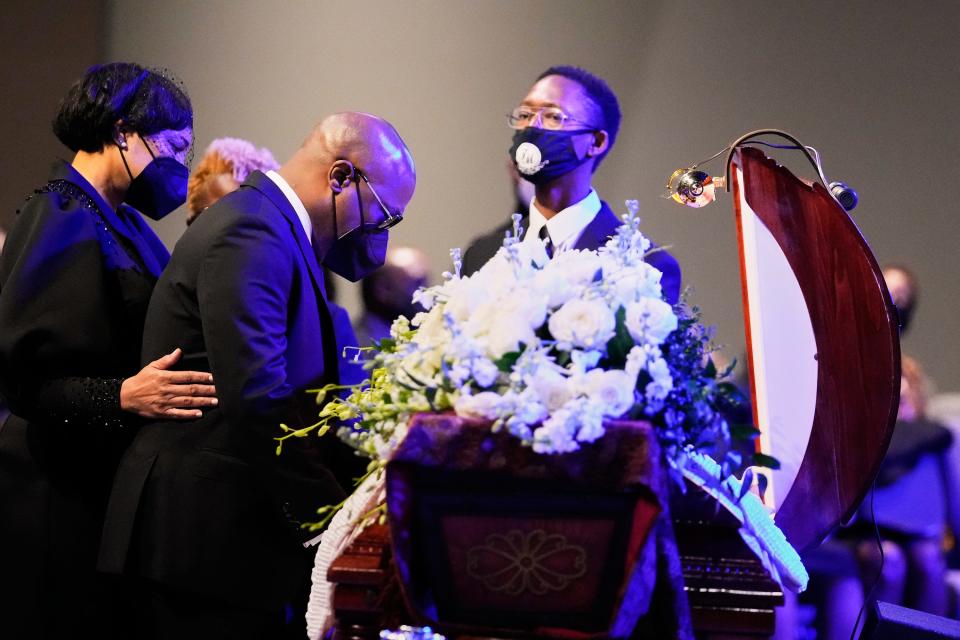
(205, 517)
(565, 126)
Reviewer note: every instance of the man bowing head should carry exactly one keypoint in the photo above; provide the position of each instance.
(204, 517)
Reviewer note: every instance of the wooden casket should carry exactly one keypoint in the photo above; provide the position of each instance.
(489, 539)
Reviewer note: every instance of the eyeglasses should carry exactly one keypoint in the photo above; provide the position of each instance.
(391, 220)
(550, 118)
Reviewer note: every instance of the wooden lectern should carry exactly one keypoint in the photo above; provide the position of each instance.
(824, 356)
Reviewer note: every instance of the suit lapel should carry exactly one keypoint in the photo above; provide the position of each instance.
(603, 225)
(269, 188)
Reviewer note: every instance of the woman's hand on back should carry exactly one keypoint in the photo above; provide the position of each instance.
(157, 392)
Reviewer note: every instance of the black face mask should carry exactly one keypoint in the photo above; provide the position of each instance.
(160, 188)
(359, 252)
(541, 155)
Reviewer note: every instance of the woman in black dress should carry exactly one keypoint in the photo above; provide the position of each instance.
(76, 276)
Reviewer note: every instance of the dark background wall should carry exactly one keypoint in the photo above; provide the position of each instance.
(875, 86)
(45, 45)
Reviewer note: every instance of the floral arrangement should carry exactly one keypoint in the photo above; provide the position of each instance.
(547, 349)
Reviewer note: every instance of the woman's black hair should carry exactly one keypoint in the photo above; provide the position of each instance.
(146, 100)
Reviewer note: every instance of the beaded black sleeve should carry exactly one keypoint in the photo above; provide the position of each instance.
(80, 400)
(88, 402)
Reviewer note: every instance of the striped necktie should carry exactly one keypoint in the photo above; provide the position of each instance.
(547, 242)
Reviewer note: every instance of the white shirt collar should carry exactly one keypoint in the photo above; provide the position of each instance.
(567, 226)
(295, 202)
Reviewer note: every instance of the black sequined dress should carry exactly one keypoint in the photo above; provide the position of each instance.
(75, 281)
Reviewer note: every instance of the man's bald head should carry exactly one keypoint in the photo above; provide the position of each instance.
(323, 173)
(367, 141)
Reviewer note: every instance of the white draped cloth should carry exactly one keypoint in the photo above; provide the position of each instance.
(342, 531)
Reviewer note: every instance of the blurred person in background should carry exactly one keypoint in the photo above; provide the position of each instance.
(914, 503)
(388, 292)
(902, 284)
(224, 166)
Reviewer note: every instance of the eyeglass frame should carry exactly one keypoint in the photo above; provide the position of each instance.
(392, 219)
(538, 115)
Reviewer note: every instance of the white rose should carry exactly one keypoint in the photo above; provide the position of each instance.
(485, 404)
(526, 307)
(612, 390)
(635, 282)
(650, 320)
(551, 388)
(557, 289)
(466, 299)
(575, 267)
(479, 323)
(584, 324)
(506, 334)
(496, 275)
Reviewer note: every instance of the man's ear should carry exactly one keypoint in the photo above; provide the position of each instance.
(340, 174)
(601, 142)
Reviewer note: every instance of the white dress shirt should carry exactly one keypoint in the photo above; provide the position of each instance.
(295, 202)
(567, 226)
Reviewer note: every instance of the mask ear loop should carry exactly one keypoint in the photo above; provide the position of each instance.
(356, 183)
(123, 157)
(333, 201)
(143, 140)
(125, 165)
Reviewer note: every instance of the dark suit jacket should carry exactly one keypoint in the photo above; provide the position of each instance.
(207, 506)
(594, 236)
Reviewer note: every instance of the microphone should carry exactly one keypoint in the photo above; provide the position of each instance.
(693, 188)
(844, 194)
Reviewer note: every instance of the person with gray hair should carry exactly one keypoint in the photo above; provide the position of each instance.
(225, 165)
